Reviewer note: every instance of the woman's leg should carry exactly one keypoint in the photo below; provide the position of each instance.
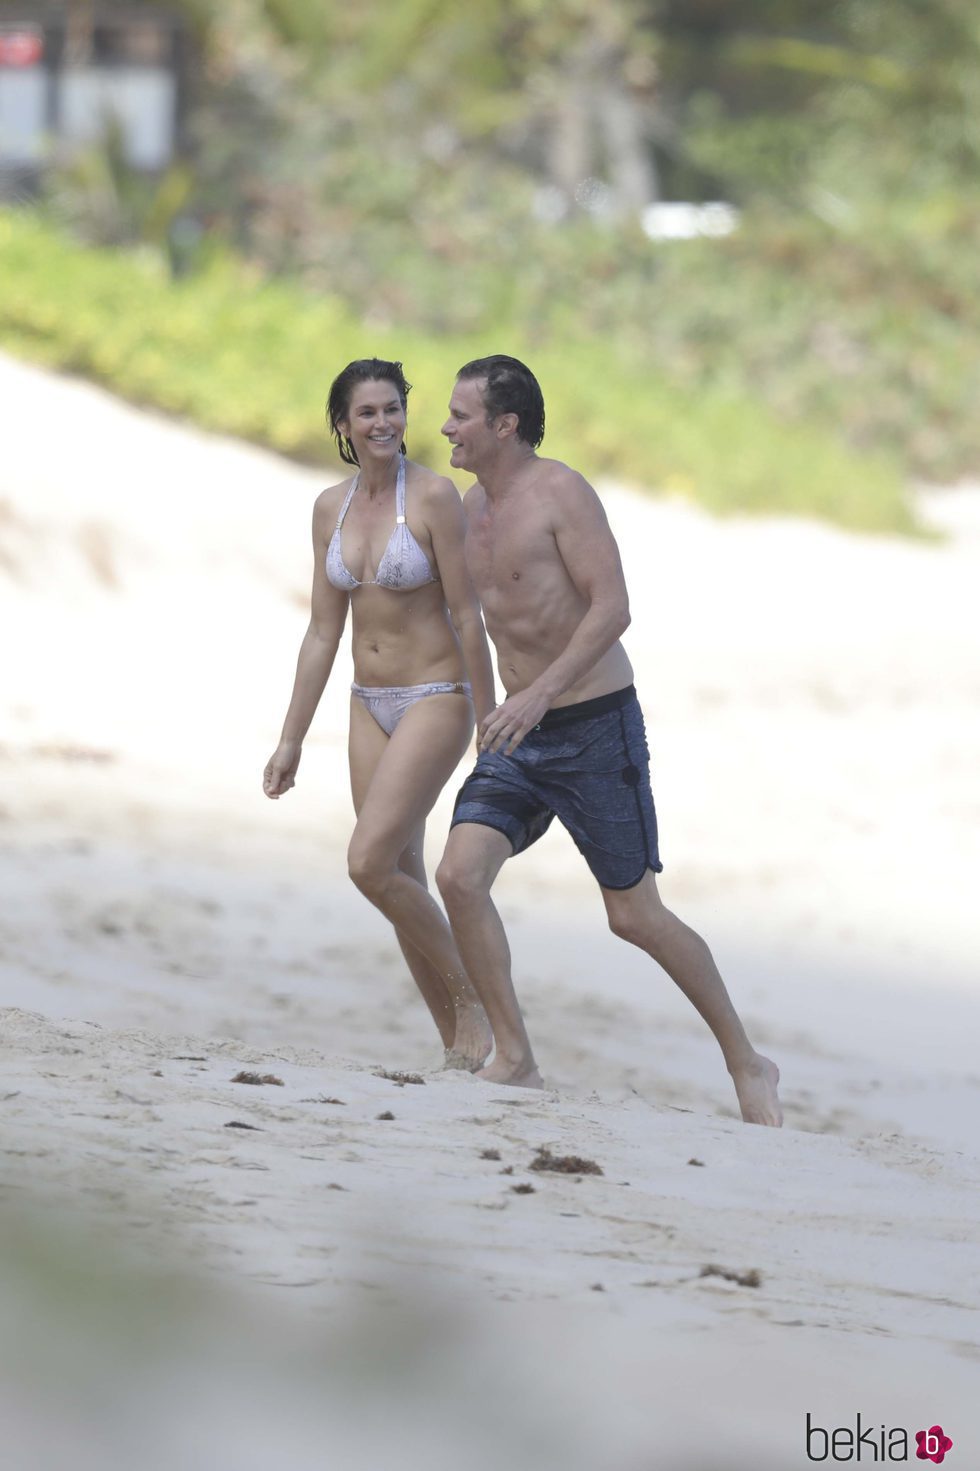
(434, 990)
(394, 782)
(368, 743)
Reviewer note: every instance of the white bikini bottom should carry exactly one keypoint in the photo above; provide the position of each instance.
(388, 703)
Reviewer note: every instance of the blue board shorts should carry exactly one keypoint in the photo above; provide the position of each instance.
(589, 766)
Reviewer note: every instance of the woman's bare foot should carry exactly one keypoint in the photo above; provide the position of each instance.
(473, 1041)
(755, 1086)
(520, 1074)
(457, 1062)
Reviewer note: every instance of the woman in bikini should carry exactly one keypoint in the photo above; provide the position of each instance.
(389, 544)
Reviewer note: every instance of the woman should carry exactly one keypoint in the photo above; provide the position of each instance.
(389, 543)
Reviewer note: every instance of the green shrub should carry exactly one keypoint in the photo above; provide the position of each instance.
(253, 357)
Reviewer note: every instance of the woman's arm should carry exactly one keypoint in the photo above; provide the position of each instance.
(316, 655)
(447, 527)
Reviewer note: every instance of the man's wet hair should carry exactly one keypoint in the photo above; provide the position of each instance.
(362, 370)
(511, 388)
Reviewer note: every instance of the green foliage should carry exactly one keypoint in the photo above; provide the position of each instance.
(254, 358)
(453, 176)
(106, 202)
(880, 100)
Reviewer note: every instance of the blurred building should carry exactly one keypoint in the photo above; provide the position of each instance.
(72, 74)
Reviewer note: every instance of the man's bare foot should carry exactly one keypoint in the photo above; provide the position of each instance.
(521, 1074)
(755, 1085)
(473, 1041)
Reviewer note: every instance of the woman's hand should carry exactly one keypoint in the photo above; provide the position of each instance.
(280, 774)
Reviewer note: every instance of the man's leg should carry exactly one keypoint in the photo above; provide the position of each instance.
(474, 856)
(639, 915)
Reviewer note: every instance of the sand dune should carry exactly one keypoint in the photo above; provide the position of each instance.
(332, 1287)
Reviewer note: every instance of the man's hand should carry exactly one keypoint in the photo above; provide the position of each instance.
(505, 727)
(280, 774)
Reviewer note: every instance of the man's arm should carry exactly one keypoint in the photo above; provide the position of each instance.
(590, 555)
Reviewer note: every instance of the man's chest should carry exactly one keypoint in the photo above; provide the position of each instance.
(504, 550)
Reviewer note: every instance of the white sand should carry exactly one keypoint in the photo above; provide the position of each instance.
(812, 706)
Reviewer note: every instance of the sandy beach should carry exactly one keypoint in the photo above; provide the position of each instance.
(338, 1268)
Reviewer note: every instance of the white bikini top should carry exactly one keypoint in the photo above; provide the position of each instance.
(403, 566)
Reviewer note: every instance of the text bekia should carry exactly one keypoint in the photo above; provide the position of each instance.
(873, 1443)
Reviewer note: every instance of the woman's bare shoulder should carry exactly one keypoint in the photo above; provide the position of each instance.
(330, 500)
(433, 490)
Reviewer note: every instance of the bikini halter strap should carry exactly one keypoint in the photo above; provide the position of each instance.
(399, 495)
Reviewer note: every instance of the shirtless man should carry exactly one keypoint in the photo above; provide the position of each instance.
(569, 740)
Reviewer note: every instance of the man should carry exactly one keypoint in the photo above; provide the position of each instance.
(569, 739)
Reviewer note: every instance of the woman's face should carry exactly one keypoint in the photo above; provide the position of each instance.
(375, 422)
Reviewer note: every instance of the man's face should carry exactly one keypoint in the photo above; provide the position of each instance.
(467, 430)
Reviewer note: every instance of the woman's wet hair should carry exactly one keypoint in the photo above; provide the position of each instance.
(363, 370)
(511, 388)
